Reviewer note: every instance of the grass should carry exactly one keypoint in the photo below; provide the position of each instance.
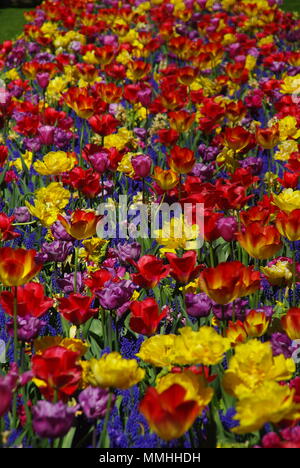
(11, 22)
(12, 19)
(291, 5)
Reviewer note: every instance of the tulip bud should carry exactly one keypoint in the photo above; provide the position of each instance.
(141, 165)
(43, 79)
(227, 228)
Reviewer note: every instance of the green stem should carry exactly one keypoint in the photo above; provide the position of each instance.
(102, 441)
(75, 268)
(294, 276)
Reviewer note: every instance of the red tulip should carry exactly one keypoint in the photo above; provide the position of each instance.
(76, 308)
(6, 228)
(260, 241)
(58, 370)
(291, 323)
(184, 269)
(228, 281)
(150, 271)
(98, 279)
(3, 155)
(17, 266)
(145, 316)
(181, 160)
(168, 413)
(288, 224)
(31, 300)
(103, 125)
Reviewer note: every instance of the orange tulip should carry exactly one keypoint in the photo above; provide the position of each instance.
(139, 69)
(82, 224)
(79, 100)
(187, 75)
(181, 160)
(181, 120)
(166, 179)
(260, 241)
(236, 333)
(109, 92)
(256, 323)
(17, 266)
(291, 323)
(235, 111)
(168, 413)
(288, 224)
(237, 138)
(268, 137)
(228, 281)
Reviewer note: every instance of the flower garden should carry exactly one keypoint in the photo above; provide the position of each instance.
(189, 338)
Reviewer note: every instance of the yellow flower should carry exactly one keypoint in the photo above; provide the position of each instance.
(94, 248)
(177, 234)
(45, 342)
(49, 28)
(125, 165)
(194, 384)
(265, 40)
(49, 202)
(56, 87)
(268, 403)
(118, 140)
(253, 364)
(111, 370)
(278, 274)
(285, 149)
(250, 62)
(53, 194)
(288, 128)
(55, 163)
(27, 158)
(90, 57)
(158, 350)
(12, 74)
(291, 85)
(228, 157)
(288, 200)
(46, 214)
(124, 57)
(205, 347)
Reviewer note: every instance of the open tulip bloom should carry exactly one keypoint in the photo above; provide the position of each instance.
(150, 226)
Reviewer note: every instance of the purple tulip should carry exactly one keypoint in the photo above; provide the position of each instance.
(226, 312)
(141, 165)
(52, 420)
(227, 228)
(67, 283)
(46, 134)
(198, 305)
(21, 214)
(205, 171)
(94, 401)
(144, 97)
(140, 132)
(28, 328)
(99, 161)
(254, 164)
(281, 344)
(59, 232)
(5, 396)
(32, 144)
(43, 79)
(116, 296)
(128, 251)
(56, 251)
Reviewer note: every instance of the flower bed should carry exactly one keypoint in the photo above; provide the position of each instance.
(149, 226)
